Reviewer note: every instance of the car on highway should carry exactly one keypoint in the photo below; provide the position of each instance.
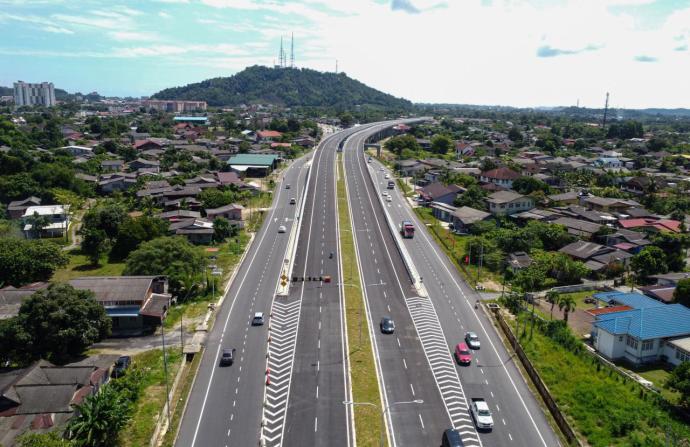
(463, 355)
(293, 201)
(481, 414)
(389, 198)
(451, 438)
(121, 366)
(387, 176)
(287, 186)
(369, 160)
(472, 340)
(258, 319)
(227, 357)
(381, 168)
(384, 193)
(387, 325)
(282, 229)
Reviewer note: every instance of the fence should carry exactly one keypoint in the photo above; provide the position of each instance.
(551, 404)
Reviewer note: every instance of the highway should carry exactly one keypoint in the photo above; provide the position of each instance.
(225, 404)
(404, 372)
(519, 421)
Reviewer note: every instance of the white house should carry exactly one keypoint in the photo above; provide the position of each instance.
(58, 220)
(640, 329)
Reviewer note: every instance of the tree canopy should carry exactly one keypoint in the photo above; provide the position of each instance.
(25, 261)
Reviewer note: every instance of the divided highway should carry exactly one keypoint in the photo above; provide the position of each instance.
(225, 404)
(518, 419)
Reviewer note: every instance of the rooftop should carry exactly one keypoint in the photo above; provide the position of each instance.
(253, 159)
(664, 320)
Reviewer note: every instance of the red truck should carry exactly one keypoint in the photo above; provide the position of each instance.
(407, 229)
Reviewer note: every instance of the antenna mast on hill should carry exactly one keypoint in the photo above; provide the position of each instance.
(336, 66)
(281, 54)
(292, 50)
(606, 110)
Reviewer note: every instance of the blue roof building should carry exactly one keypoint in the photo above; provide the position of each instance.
(649, 332)
(191, 119)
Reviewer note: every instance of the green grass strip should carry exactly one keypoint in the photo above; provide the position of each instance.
(365, 385)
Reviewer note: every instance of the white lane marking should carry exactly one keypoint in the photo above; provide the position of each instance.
(404, 363)
(421, 421)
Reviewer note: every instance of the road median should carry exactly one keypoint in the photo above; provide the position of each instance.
(365, 385)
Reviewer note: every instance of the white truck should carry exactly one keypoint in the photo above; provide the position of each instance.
(481, 414)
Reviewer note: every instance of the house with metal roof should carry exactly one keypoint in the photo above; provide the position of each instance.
(253, 165)
(644, 331)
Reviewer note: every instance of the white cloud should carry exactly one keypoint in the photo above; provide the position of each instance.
(123, 36)
(164, 15)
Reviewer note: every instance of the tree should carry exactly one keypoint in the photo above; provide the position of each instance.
(346, 119)
(107, 217)
(488, 164)
(99, 419)
(133, 232)
(528, 185)
(679, 380)
(514, 134)
(94, 244)
(171, 256)
(400, 143)
(222, 229)
(566, 303)
(60, 322)
(441, 144)
(38, 223)
(25, 261)
(49, 439)
(552, 297)
(682, 293)
(650, 261)
(472, 197)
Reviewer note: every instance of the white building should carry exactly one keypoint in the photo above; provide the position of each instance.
(58, 220)
(79, 151)
(27, 94)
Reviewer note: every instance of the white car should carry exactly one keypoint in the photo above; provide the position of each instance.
(481, 414)
(387, 176)
(389, 198)
(381, 168)
(384, 193)
(282, 229)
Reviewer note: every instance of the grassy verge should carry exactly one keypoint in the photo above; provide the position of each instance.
(179, 398)
(365, 387)
(80, 265)
(140, 428)
(605, 408)
(454, 246)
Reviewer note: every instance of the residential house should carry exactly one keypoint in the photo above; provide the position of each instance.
(670, 279)
(642, 184)
(79, 151)
(627, 240)
(11, 298)
(230, 178)
(608, 204)
(112, 165)
(179, 192)
(110, 183)
(502, 176)
(442, 211)
(596, 257)
(142, 163)
(136, 304)
(647, 332)
(268, 135)
(203, 181)
(306, 142)
(438, 192)
(42, 397)
(410, 168)
(464, 149)
(57, 218)
(150, 143)
(577, 227)
(464, 218)
(566, 198)
(519, 260)
(508, 202)
(197, 231)
(185, 203)
(608, 163)
(231, 212)
(17, 208)
(651, 225)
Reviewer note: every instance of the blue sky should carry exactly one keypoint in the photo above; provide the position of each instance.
(511, 52)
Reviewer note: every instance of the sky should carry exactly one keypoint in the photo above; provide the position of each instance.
(522, 53)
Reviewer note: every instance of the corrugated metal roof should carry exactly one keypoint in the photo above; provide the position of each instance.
(253, 159)
(634, 300)
(666, 320)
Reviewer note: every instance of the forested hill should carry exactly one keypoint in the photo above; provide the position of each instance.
(289, 87)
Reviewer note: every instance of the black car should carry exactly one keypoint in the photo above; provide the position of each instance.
(121, 365)
(387, 325)
(451, 438)
(227, 357)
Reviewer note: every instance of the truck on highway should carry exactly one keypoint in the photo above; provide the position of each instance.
(481, 414)
(407, 229)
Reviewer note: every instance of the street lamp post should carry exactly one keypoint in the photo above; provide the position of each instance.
(383, 413)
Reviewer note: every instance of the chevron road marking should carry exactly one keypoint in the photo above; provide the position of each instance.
(440, 360)
(284, 322)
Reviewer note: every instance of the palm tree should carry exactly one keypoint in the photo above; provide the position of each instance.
(567, 304)
(552, 297)
(99, 419)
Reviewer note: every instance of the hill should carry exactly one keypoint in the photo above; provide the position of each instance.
(290, 87)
